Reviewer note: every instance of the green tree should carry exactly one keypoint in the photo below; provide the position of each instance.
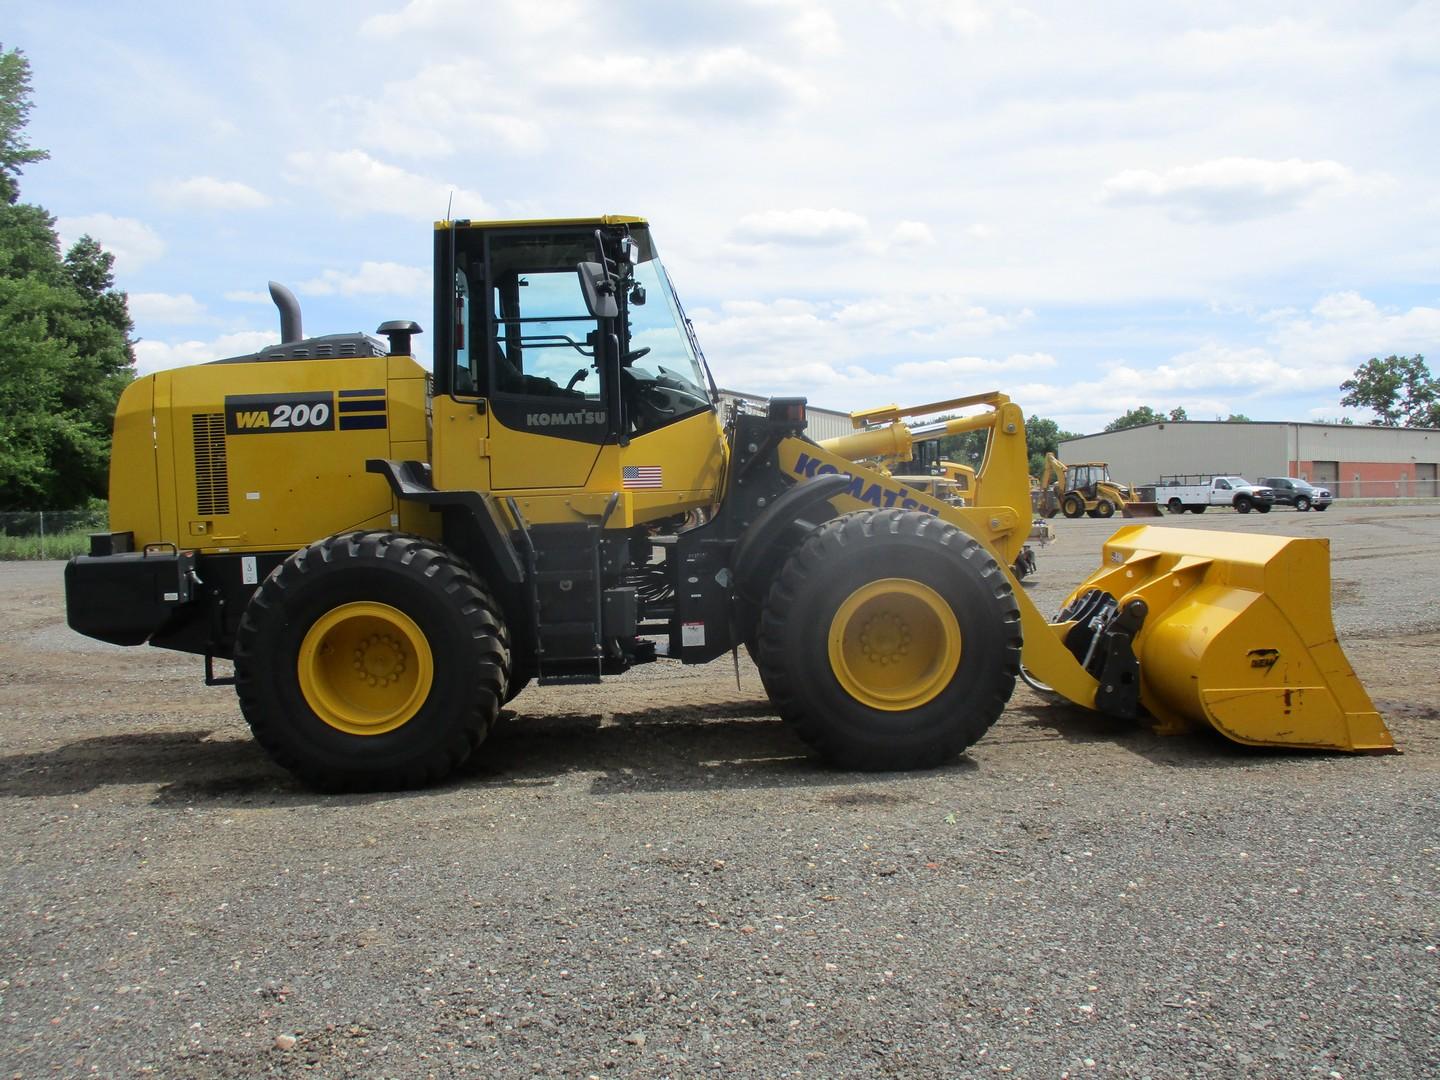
(1178, 414)
(15, 152)
(967, 449)
(64, 336)
(1043, 436)
(1399, 390)
(1237, 418)
(1138, 417)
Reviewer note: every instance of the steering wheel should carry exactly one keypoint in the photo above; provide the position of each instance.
(633, 355)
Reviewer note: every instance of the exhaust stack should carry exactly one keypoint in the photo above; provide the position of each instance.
(289, 313)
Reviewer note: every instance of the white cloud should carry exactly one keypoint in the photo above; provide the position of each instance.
(371, 279)
(912, 234)
(207, 191)
(966, 367)
(961, 18)
(1343, 330)
(445, 108)
(1228, 189)
(814, 28)
(803, 226)
(166, 308)
(133, 243)
(458, 17)
(244, 296)
(151, 356)
(727, 84)
(355, 183)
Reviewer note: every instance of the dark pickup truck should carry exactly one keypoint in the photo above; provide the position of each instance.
(1301, 494)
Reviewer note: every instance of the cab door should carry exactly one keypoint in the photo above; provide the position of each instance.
(548, 410)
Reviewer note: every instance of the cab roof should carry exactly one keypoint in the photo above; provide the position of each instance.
(604, 219)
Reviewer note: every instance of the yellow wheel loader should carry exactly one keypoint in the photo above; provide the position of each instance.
(1087, 488)
(386, 561)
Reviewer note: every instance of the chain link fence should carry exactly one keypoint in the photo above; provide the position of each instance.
(49, 534)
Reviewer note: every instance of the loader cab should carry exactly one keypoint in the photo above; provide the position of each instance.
(523, 353)
(1086, 478)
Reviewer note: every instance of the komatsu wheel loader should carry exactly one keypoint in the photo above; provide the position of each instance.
(387, 561)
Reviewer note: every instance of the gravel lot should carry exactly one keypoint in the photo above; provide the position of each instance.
(649, 878)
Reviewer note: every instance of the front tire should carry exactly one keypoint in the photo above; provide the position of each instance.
(890, 640)
(1302, 504)
(371, 661)
(1104, 509)
(1243, 504)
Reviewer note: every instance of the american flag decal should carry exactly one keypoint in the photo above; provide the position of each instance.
(634, 477)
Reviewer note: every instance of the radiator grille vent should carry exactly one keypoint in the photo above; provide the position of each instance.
(212, 479)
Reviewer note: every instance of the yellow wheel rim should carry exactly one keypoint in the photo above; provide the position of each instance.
(365, 668)
(894, 644)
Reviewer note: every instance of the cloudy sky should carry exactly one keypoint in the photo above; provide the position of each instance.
(1217, 205)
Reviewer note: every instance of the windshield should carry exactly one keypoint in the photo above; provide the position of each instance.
(656, 323)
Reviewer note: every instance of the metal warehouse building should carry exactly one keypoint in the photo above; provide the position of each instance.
(1353, 461)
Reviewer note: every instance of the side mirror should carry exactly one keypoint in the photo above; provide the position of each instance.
(598, 290)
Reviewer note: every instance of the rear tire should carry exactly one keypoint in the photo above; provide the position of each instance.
(879, 671)
(371, 660)
(1175, 506)
(1072, 506)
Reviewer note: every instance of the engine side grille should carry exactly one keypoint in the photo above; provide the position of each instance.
(212, 478)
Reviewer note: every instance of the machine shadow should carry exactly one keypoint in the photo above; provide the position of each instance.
(1200, 748)
(731, 745)
(169, 758)
(667, 748)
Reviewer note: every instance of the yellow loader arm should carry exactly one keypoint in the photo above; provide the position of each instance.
(1227, 630)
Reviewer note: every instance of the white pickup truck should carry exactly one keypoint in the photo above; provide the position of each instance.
(1197, 493)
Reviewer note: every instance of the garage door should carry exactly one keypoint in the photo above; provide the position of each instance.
(1425, 479)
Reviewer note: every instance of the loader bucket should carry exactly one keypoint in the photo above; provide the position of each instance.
(1237, 634)
(1140, 510)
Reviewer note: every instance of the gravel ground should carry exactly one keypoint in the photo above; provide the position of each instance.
(649, 878)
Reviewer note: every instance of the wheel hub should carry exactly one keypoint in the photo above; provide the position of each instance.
(885, 638)
(380, 660)
(894, 644)
(365, 668)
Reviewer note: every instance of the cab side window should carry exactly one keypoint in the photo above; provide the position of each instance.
(543, 336)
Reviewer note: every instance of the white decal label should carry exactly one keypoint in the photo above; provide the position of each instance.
(692, 633)
(248, 575)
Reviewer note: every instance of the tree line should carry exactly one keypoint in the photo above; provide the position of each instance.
(65, 349)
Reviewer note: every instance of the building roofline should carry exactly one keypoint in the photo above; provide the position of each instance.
(1258, 423)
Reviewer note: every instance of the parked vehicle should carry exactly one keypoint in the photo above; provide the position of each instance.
(1085, 488)
(1199, 492)
(1301, 494)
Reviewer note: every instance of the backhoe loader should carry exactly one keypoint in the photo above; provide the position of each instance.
(1086, 488)
(387, 556)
